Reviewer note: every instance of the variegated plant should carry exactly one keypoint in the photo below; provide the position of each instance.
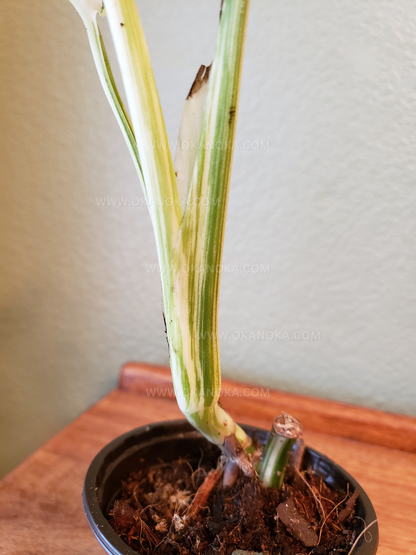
(187, 199)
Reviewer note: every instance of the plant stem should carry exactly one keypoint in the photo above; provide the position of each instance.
(200, 246)
(190, 242)
(284, 433)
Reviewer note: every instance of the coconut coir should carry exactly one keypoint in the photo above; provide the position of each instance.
(156, 514)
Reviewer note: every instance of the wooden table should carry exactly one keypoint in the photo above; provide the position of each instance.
(40, 501)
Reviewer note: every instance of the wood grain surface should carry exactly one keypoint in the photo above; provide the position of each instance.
(257, 403)
(40, 501)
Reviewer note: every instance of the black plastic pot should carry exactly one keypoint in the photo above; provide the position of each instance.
(166, 441)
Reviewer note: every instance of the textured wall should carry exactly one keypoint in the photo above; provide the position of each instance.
(323, 197)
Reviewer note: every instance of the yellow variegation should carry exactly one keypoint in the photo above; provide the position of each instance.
(188, 212)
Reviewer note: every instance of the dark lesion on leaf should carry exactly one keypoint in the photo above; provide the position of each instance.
(232, 115)
(201, 77)
(122, 24)
(222, 2)
(166, 332)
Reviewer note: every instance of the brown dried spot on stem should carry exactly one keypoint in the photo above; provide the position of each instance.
(233, 449)
(201, 77)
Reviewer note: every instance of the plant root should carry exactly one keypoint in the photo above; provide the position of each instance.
(317, 501)
(360, 535)
(330, 513)
(204, 490)
(349, 507)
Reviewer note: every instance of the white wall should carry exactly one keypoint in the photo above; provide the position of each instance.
(328, 208)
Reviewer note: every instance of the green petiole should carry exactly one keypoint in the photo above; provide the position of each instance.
(283, 435)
